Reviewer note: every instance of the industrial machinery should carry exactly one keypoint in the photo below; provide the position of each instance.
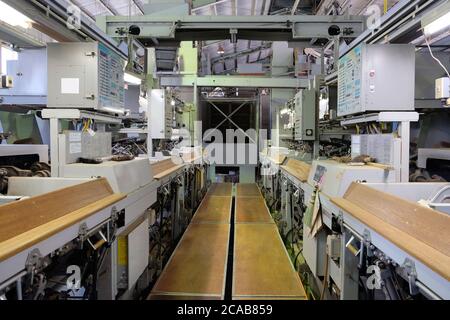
(305, 115)
(193, 149)
(85, 76)
(370, 76)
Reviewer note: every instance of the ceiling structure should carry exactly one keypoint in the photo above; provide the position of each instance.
(224, 57)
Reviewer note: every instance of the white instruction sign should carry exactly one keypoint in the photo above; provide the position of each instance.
(75, 136)
(75, 148)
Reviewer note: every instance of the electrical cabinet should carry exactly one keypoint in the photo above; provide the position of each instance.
(305, 115)
(376, 77)
(85, 76)
(160, 115)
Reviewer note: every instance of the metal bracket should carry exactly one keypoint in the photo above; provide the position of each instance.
(366, 237)
(297, 193)
(82, 232)
(34, 262)
(410, 273)
(340, 219)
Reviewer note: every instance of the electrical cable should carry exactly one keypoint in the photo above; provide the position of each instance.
(325, 279)
(432, 55)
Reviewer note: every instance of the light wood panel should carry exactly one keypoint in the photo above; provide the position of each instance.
(422, 232)
(247, 190)
(24, 223)
(278, 159)
(191, 157)
(213, 210)
(197, 267)
(164, 168)
(221, 189)
(252, 210)
(262, 268)
(298, 169)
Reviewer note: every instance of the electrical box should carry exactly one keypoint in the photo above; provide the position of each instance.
(29, 78)
(86, 145)
(376, 77)
(384, 148)
(305, 115)
(85, 76)
(443, 88)
(334, 246)
(161, 115)
(6, 82)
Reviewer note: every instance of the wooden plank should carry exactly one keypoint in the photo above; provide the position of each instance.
(197, 267)
(213, 210)
(164, 168)
(278, 159)
(21, 216)
(417, 221)
(403, 223)
(221, 189)
(192, 157)
(298, 169)
(248, 190)
(262, 268)
(252, 210)
(25, 223)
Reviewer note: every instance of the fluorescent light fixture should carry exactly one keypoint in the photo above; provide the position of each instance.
(128, 77)
(438, 20)
(13, 17)
(438, 25)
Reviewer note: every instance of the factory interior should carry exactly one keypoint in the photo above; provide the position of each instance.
(225, 150)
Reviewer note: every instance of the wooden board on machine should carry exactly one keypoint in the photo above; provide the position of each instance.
(213, 209)
(192, 157)
(252, 210)
(422, 232)
(221, 190)
(298, 169)
(262, 268)
(197, 267)
(278, 158)
(26, 222)
(164, 168)
(247, 190)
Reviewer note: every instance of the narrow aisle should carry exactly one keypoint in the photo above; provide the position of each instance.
(204, 266)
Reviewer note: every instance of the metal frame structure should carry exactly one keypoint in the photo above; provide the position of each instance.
(405, 119)
(53, 16)
(276, 28)
(55, 116)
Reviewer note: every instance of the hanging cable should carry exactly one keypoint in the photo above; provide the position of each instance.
(432, 55)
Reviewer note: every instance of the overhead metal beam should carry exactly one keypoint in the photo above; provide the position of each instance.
(213, 4)
(87, 13)
(45, 22)
(51, 16)
(108, 7)
(18, 38)
(294, 7)
(233, 81)
(239, 54)
(275, 28)
(139, 6)
(402, 14)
